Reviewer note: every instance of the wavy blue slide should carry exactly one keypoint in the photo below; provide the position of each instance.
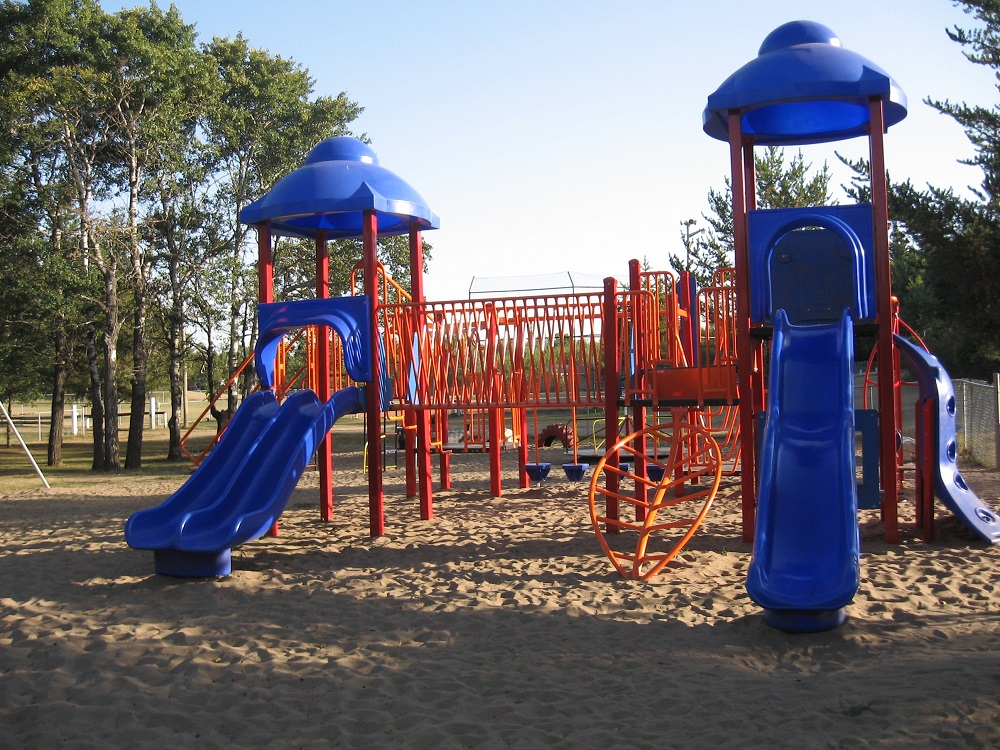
(936, 386)
(241, 489)
(806, 558)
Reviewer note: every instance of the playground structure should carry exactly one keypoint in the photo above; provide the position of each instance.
(809, 279)
(679, 373)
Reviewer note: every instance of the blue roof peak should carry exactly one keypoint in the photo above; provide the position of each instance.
(794, 33)
(342, 148)
(803, 87)
(328, 195)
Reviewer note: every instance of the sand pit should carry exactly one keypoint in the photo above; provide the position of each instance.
(498, 624)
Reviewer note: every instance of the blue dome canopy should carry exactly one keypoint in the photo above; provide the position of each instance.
(340, 180)
(803, 87)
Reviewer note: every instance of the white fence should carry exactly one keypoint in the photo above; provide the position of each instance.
(34, 422)
(977, 417)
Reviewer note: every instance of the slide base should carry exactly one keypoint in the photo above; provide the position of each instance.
(181, 564)
(805, 620)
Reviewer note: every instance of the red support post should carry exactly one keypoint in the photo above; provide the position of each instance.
(422, 416)
(324, 453)
(611, 386)
(376, 496)
(265, 289)
(494, 415)
(744, 348)
(638, 412)
(265, 264)
(883, 295)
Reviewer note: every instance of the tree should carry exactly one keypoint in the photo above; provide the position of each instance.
(946, 247)
(261, 126)
(778, 186)
(52, 148)
(159, 79)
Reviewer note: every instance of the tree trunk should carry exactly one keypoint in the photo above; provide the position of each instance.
(137, 421)
(58, 413)
(174, 452)
(96, 402)
(110, 342)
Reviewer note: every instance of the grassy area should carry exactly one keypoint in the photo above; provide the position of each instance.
(17, 474)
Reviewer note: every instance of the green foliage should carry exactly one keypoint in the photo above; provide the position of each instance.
(945, 247)
(778, 186)
(128, 152)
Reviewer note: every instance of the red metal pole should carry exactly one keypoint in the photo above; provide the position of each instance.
(425, 480)
(324, 453)
(641, 362)
(883, 296)
(265, 264)
(265, 288)
(744, 349)
(609, 328)
(494, 414)
(376, 497)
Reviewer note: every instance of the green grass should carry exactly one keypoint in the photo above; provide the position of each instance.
(17, 474)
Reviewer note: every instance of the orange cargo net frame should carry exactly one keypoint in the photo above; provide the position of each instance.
(667, 515)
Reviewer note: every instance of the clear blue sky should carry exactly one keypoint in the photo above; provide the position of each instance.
(566, 135)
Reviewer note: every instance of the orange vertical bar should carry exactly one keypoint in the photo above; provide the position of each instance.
(422, 416)
(376, 496)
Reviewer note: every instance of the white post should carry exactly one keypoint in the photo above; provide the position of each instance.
(39, 427)
(21, 441)
(152, 412)
(74, 420)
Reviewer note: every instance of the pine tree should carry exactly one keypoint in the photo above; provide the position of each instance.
(778, 186)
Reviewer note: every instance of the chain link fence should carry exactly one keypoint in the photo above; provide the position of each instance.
(977, 419)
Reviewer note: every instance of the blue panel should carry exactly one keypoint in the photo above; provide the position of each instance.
(866, 422)
(348, 316)
(813, 263)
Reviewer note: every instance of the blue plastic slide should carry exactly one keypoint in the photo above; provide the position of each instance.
(806, 558)
(241, 489)
(936, 386)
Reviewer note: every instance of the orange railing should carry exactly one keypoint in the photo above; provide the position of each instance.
(543, 351)
(526, 351)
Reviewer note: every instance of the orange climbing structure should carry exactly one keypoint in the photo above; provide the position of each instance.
(656, 364)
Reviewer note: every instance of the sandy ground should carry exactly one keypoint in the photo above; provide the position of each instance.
(498, 624)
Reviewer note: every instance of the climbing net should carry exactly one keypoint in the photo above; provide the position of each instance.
(671, 493)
